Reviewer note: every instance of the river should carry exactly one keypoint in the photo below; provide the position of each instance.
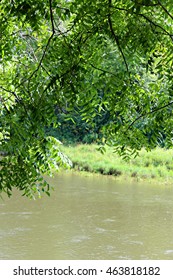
(89, 218)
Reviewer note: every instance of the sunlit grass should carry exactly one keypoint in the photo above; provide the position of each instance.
(157, 164)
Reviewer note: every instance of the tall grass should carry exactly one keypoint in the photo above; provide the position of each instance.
(157, 164)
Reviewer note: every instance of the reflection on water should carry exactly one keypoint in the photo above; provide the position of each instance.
(89, 218)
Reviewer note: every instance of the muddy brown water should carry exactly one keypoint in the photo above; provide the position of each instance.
(89, 218)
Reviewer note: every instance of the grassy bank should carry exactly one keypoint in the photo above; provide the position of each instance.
(157, 164)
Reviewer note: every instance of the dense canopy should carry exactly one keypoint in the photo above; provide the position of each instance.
(106, 59)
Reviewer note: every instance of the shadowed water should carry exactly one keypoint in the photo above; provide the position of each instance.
(89, 218)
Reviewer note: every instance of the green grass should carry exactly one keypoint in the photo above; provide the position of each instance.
(157, 164)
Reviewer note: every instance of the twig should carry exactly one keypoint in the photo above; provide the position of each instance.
(102, 70)
(20, 101)
(47, 45)
(41, 60)
(149, 113)
(166, 11)
(146, 18)
(12, 92)
(156, 25)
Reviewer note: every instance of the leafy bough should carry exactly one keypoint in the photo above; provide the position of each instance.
(26, 173)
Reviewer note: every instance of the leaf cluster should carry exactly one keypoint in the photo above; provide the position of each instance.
(103, 59)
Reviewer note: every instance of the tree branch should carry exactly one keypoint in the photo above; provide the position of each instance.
(156, 25)
(102, 70)
(149, 113)
(51, 16)
(12, 92)
(116, 37)
(41, 60)
(20, 101)
(166, 11)
(46, 47)
(146, 18)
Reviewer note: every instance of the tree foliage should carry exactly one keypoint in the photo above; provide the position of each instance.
(97, 58)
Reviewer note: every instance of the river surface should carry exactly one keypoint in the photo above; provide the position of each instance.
(89, 218)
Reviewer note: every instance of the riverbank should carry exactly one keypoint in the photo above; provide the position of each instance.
(156, 165)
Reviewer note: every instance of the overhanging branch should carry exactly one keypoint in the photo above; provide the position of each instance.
(116, 37)
(146, 18)
(46, 47)
(166, 11)
(149, 113)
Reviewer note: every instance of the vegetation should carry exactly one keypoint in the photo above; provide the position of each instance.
(156, 164)
(107, 62)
